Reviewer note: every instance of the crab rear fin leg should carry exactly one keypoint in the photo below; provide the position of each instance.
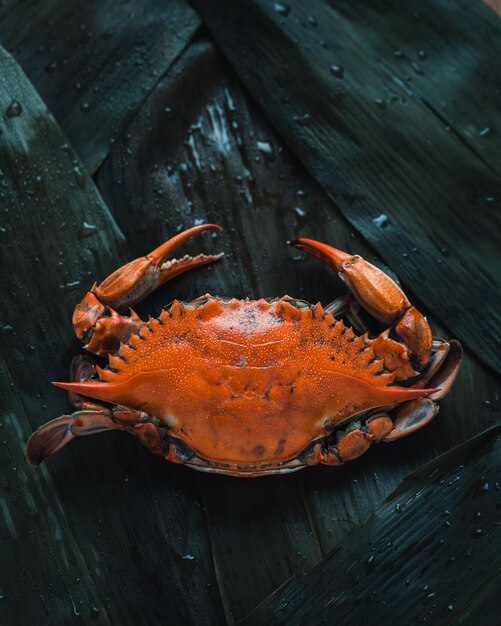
(52, 436)
(378, 294)
(411, 416)
(97, 317)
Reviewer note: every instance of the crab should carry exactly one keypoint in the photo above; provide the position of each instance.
(252, 387)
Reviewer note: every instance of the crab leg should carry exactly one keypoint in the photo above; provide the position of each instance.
(354, 443)
(97, 318)
(82, 370)
(378, 294)
(52, 436)
(348, 307)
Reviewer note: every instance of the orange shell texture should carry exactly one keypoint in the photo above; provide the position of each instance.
(247, 381)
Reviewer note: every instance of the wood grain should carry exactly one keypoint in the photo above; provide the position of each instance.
(93, 63)
(426, 554)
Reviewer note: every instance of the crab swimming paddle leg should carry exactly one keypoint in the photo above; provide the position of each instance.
(54, 435)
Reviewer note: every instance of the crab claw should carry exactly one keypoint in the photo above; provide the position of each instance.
(134, 281)
(377, 293)
(137, 279)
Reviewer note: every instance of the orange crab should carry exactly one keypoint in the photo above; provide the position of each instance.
(252, 387)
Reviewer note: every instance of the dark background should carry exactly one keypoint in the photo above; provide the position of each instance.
(123, 123)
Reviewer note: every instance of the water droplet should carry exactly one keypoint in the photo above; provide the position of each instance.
(300, 211)
(85, 107)
(52, 67)
(337, 71)
(169, 113)
(312, 20)
(398, 508)
(87, 229)
(79, 177)
(381, 221)
(381, 103)
(486, 132)
(264, 147)
(493, 405)
(417, 68)
(450, 607)
(14, 109)
(484, 487)
(477, 533)
(398, 54)
(282, 9)
(39, 182)
(370, 564)
(304, 120)
(422, 54)
(188, 557)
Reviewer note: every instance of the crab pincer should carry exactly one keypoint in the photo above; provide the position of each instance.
(378, 294)
(411, 352)
(97, 318)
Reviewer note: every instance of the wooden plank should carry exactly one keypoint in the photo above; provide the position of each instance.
(429, 553)
(94, 62)
(100, 532)
(377, 148)
(439, 66)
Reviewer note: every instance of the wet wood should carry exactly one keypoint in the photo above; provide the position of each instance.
(373, 133)
(93, 63)
(426, 554)
(98, 534)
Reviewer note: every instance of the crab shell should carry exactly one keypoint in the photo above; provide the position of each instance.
(247, 385)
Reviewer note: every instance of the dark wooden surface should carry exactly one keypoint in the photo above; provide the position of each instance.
(94, 63)
(403, 566)
(105, 531)
(390, 137)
